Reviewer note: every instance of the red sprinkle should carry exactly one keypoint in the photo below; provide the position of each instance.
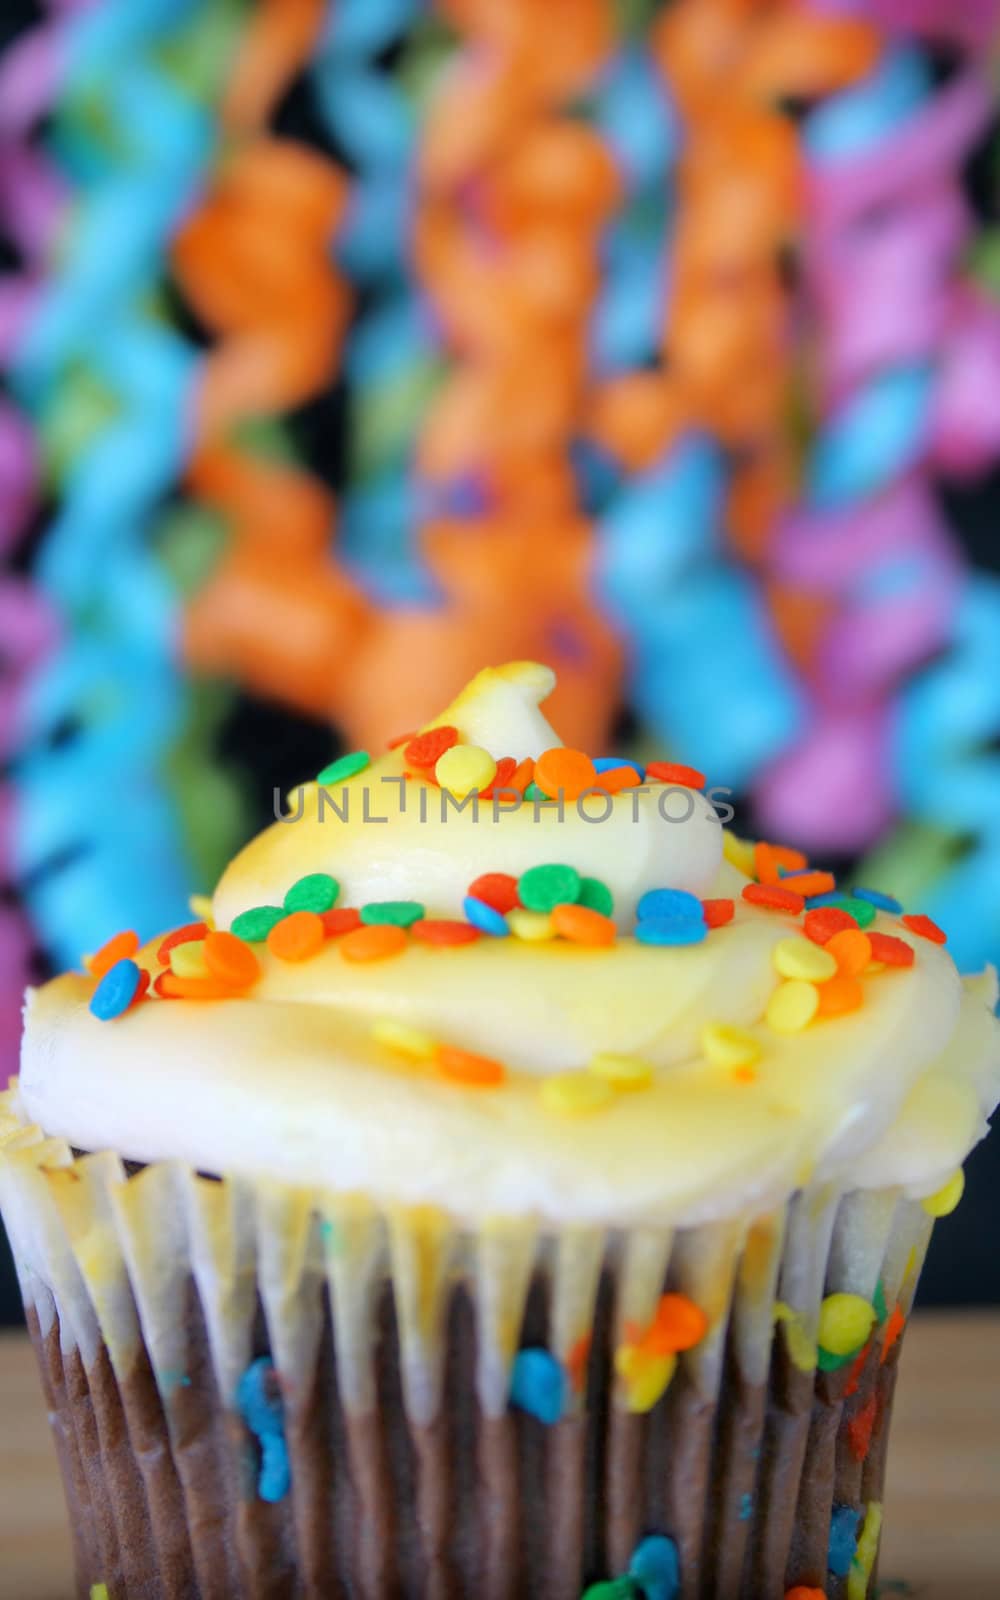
(859, 1429)
(141, 988)
(427, 748)
(821, 925)
(442, 931)
(858, 1365)
(773, 898)
(342, 919)
(676, 772)
(577, 1357)
(925, 927)
(186, 935)
(506, 768)
(497, 889)
(718, 912)
(894, 952)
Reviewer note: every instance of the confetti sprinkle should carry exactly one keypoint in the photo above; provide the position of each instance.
(810, 883)
(583, 926)
(865, 1555)
(678, 1324)
(603, 764)
(576, 1094)
(670, 931)
(803, 1592)
(801, 958)
(622, 1072)
(845, 1321)
(840, 995)
(655, 1566)
(770, 860)
(426, 749)
(851, 949)
(861, 912)
(545, 887)
(725, 1045)
(340, 921)
(646, 1378)
(843, 1540)
(188, 960)
(496, 889)
(255, 925)
(860, 1428)
(258, 1399)
(464, 1066)
(533, 926)
(122, 946)
(718, 912)
(596, 896)
(394, 913)
(738, 852)
(676, 772)
(774, 898)
(672, 903)
(944, 1200)
(170, 987)
(297, 936)
(374, 943)
(883, 902)
(925, 928)
(566, 772)
(443, 931)
(343, 768)
(892, 952)
(315, 892)
(407, 1041)
(538, 1385)
(465, 769)
(116, 990)
(190, 931)
(792, 1006)
(485, 918)
(616, 779)
(821, 925)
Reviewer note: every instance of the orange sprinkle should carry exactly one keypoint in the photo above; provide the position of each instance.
(676, 772)
(852, 951)
(802, 1591)
(342, 919)
(442, 931)
(427, 748)
(401, 738)
(821, 925)
(678, 1324)
(925, 927)
(892, 951)
(524, 773)
(768, 858)
(810, 883)
(186, 935)
(496, 889)
(840, 995)
(858, 1365)
(576, 1361)
(774, 898)
(170, 987)
(463, 1066)
(568, 771)
(373, 942)
(296, 937)
(583, 925)
(117, 949)
(893, 1329)
(718, 912)
(231, 960)
(616, 779)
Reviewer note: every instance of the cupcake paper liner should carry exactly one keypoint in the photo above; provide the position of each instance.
(393, 1333)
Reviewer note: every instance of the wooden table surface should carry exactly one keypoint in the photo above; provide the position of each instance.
(943, 1504)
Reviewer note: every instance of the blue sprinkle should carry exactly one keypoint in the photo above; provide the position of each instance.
(669, 930)
(843, 1540)
(538, 1385)
(673, 903)
(116, 990)
(484, 917)
(875, 897)
(261, 1408)
(656, 1568)
(746, 1507)
(609, 763)
(835, 897)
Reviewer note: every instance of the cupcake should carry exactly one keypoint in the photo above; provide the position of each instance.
(512, 1185)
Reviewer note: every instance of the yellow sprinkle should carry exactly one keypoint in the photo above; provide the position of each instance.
(792, 1006)
(646, 1377)
(944, 1200)
(188, 960)
(845, 1321)
(465, 768)
(98, 1591)
(738, 852)
(622, 1072)
(576, 1094)
(803, 958)
(531, 925)
(801, 1349)
(725, 1045)
(864, 1556)
(400, 1036)
(201, 907)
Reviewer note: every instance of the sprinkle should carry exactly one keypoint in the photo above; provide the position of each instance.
(792, 1006)
(191, 930)
(98, 1591)
(801, 958)
(884, 902)
(188, 960)
(670, 931)
(622, 1072)
(861, 912)
(506, 767)
(770, 859)
(821, 924)
(426, 749)
(538, 1385)
(892, 952)
(925, 928)
(170, 987)
(297, 936)
(726, 1045)
(583, 926)
(611, 1589)
(534, 926)
(533, 792)
(577, 1358)
(576, 1094)
(399, 1036)
(843, 1540)
(343, 919)
(317, 891)
(801, 1348)
(944, 1200)
(142, 988)
(845, 1321)
(566, 772)
(604, 764)
(259, 1401)
(117, 949)
(496, 889)
(545, 887)
(596, 895)
(483, 917)
(678, 1324)
(802, 1591)
(670, 903)
(676, 772)
(373, 943)
(738, 852)
(655, 1566)
(344, 767)
(116, 990)
(852, 951)
(464, 1066)
(746, 1506)
(522, 776)
(394, 913)
(647, 1378)
(773, 898)
(443, 931)
(893, 1331)
(465, 769)
(810, 883)
(615, 779)
(860, 1428)
(840, 995)
(865, 1554)
(255, 925)
(718, 912)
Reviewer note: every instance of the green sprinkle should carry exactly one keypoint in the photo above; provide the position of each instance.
(878, 1301)
(544, 888)
(862, 911)
(255, 925)
(613, 1589)
(533, 792)
(317, 891)
(400, 913)
(596, 895)
(826, 1361)
(345, 767)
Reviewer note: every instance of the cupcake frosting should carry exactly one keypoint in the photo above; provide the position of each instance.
(660, 1064)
